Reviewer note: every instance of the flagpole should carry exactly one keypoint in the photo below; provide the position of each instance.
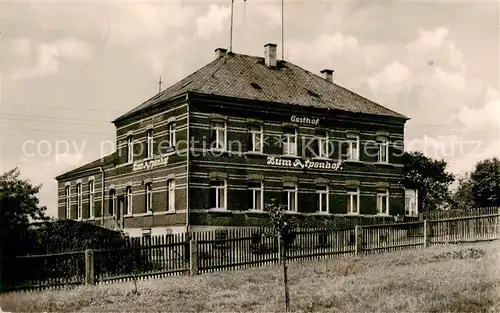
(282, 32)
(231, 31)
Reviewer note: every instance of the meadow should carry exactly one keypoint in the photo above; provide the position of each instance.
(453, 278)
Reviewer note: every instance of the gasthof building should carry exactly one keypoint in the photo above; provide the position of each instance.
(211, 150)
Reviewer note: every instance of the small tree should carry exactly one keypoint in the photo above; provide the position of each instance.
(284, 228)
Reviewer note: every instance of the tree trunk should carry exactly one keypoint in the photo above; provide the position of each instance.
(285, 278)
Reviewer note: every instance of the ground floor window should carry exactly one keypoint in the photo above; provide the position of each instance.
(171, 195)
(383, 202)
(218, 194)
(290, 197)
(353, 201)
(255, 192)
(112, 202)
(322, 199)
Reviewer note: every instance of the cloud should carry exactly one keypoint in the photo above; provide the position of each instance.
(393, 79)
(323, 47)
(213, 22)
(49, 57)
(429, 39)
(22, 47)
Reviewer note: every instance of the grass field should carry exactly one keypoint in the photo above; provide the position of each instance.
(461, 278)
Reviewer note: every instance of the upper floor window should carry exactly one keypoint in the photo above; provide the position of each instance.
(383, 202)
(112, 202)
(149, 197)
(171, 135)
(353, 149)
(67, 195)
(171, 195)
(352, 201)
(218, 194)
(149, 143)
(383, 151)
(322, 144)
(290, 197)
(219, 135)
(255, 192)
(322, 199)
(130, 149)
(79, 201)
(255, 144)
(91, 199)
(129, 200)
(290, 141)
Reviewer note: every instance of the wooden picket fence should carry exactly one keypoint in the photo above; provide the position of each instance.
(471, 212)
(210, 251)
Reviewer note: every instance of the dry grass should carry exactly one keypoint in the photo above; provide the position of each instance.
(462, 278)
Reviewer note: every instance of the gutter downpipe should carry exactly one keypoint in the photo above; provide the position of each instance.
(187, 167)
(102, 195)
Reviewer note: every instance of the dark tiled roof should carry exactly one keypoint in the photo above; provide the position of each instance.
(247, 77)
(109, 159)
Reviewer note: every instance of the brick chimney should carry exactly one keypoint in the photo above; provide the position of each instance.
(219, 53)
(270, 54)
(327, 74)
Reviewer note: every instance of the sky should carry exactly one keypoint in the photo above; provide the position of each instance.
(69, 68)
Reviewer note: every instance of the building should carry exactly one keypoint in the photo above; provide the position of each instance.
(214, 148)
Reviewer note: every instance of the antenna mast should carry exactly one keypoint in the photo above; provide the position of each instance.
(231, 29)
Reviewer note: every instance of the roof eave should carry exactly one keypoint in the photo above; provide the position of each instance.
(152, 106)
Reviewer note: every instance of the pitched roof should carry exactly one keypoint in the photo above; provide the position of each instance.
(247, 77)
(94, 164)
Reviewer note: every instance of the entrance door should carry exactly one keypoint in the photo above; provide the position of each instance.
(119, 212)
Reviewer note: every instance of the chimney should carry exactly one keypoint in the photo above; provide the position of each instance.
(328, 75)
(270, 54)
(219, 53)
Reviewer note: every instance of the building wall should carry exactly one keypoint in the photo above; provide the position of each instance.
(123, 174)
(238, 165)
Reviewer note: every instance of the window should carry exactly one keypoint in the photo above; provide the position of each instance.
(149, 197)
(218, 194)
(256, 196)
(129, 200)
(67, 194)
(322, 199)
(150, 143)
(171, 195)
(411, 202)
(255, 144)
(112, 202)
(290, 141)
(353, 201)
(353, 149)
(91, 199)
(383, 202)
(130, 150)
(79, 201)
(171, 135)
(322, 144)
(290, 197)
(383, 151)
(219, 135)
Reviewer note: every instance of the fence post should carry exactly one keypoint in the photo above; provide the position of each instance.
(193, 259)
(358, 240)
(89, 266)
(425, 233)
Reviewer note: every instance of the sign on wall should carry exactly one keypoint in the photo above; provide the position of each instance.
(305, 120)
(308, 164)
(146, 165)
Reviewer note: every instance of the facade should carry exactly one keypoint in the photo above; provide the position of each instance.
(213, 149)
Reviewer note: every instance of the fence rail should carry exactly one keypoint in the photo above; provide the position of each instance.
(210, 251)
